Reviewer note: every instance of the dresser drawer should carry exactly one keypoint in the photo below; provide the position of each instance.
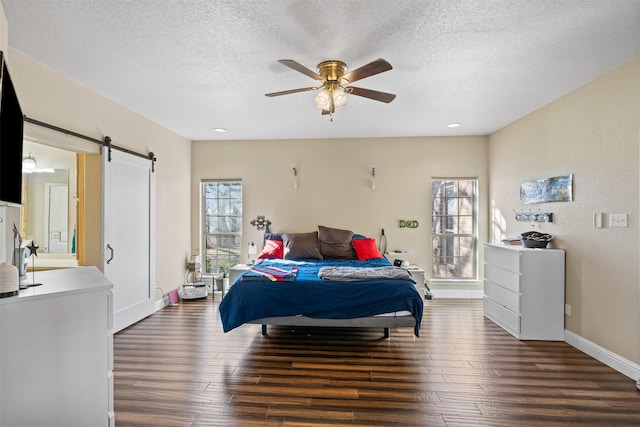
(502, 316)
(502, 296)
(505, 278)
(505, 258)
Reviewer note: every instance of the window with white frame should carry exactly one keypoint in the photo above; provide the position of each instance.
(453, 228)
(221, 224)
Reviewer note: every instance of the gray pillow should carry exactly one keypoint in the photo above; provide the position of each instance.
(335, 243)
(301, 245)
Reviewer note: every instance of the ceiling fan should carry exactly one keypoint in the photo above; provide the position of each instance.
(333, 91)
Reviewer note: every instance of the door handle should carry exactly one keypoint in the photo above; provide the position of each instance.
(110, 250)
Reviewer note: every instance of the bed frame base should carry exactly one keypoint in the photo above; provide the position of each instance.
(385, 322)
(387, 331)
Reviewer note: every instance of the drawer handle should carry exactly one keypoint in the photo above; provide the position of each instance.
(111, 253)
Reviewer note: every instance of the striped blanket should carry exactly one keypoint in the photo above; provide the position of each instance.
(367, 273)
(264, 272)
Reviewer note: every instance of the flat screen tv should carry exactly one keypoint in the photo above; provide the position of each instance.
(11, 134)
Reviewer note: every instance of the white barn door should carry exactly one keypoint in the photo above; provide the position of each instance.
(128, 235)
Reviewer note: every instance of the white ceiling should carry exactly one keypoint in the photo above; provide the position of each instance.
(196, 65)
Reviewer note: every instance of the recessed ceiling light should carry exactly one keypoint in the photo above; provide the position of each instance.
(219, 130)
(453, 125)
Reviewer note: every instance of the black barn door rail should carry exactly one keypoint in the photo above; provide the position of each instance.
(106, 142)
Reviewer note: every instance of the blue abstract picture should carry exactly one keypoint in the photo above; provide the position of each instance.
(556, 189)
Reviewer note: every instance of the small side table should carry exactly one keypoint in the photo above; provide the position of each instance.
(234, 273)
(418, 275)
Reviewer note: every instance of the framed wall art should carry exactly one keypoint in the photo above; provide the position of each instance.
(556, 189)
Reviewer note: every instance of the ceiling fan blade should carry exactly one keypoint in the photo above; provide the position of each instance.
(371, 94)
(301, 68)
(376, 67)
(287, 92)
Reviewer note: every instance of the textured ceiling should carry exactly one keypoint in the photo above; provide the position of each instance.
(196, 65)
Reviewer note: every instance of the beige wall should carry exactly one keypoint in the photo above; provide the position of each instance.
(592, 133)
(4, 31)
(334, 188)
(50, 97)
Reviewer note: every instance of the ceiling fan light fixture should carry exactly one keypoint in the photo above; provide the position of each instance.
(339, 97)
(324, 95)
(322, 99)
(335, 88)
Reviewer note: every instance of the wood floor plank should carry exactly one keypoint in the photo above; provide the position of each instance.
(177, 368)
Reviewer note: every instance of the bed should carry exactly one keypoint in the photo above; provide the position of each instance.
(296, 295)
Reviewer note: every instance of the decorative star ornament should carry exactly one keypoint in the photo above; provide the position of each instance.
(33, 248)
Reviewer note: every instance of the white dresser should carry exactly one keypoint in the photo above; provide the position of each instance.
(56, 351)
(524, 291)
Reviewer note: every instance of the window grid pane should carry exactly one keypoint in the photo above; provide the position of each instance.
(453, 228)
(222, 224)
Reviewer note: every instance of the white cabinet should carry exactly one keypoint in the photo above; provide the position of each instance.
(235, 272)
(417, 273)
(524, 291)
(56, 351)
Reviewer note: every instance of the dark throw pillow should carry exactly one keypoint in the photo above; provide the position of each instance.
(335, 243)
(273, 236)
(301, 246)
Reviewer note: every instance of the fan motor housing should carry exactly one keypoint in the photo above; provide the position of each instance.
(332, 70)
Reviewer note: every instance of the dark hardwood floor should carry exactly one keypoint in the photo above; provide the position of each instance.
(177, 368)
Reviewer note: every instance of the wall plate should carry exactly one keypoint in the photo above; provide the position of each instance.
(617, 220)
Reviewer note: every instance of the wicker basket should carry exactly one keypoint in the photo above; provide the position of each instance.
(535, 239)
(539, 244)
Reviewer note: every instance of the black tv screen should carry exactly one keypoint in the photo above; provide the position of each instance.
(11, 134)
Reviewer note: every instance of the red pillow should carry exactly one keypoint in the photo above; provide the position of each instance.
(366, 249)
(272, 249)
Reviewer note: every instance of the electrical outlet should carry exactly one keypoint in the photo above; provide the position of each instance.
(617, 220)
(567, 309)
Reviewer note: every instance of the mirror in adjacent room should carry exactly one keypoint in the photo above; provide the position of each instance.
(48, 212)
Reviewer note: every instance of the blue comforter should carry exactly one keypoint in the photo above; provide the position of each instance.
(311, 296)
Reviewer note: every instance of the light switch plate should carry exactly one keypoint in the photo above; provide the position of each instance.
(617, 220)
(597, 220)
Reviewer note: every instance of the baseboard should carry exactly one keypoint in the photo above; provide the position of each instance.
(614, 361)
(162, 303)
(457, 293)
